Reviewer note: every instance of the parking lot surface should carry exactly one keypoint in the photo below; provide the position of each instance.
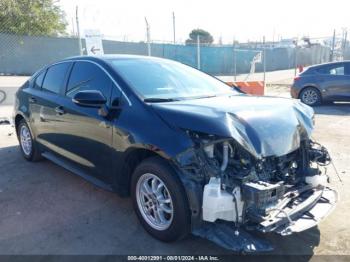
(47, 210)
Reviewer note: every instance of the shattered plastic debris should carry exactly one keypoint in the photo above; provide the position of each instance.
(229, 237)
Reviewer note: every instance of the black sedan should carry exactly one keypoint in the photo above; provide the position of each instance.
(323, 83)
(194, 154)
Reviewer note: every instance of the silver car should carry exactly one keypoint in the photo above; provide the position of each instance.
(323, 83)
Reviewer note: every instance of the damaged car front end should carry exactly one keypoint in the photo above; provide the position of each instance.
(256, 171)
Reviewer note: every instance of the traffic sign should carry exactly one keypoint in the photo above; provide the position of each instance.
(93, 40)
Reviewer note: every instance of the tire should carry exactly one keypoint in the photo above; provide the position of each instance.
(27, 143)
(176, 221)
(310, 96)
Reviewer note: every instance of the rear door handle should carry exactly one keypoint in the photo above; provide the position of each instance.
(59, 110)
(32, 99)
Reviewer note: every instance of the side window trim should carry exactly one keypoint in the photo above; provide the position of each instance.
(110, 77)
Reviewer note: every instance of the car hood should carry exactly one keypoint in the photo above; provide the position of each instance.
(265, 126)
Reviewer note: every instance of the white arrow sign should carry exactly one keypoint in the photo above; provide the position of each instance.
(93, 40)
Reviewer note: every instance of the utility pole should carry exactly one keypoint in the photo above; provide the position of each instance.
(174, 26)
(333, 45)
(264, 61)
(148, 37)
(198, 53)
(78, 31)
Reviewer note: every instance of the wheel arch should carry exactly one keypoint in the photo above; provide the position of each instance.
(134, 156)
(127, 165)
(18, 119)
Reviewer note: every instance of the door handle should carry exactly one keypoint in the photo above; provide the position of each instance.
(32, 99)
(59, 110)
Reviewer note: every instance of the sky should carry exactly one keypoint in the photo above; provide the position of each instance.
(226, 19)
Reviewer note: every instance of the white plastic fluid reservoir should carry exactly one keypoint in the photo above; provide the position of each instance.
(217, 203)
(316, 180)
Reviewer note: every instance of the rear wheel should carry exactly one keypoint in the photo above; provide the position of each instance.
(310, 96)
(160, 201)
(27, 144)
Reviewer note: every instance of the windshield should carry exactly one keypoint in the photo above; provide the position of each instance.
(165, 80)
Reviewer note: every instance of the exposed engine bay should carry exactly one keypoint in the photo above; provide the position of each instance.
(283, 194)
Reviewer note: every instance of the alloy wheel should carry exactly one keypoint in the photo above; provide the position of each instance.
(26, 140)
(309, 97)
(154, 201)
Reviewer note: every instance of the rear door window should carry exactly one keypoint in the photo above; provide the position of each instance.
(338, 69)
(88, 76)
(55, 76)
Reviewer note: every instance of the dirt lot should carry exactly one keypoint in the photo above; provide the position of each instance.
(47, 210)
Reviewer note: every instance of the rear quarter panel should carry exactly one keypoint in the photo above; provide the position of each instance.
(303, 82)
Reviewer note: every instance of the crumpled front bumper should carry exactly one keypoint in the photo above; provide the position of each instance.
(303, 214)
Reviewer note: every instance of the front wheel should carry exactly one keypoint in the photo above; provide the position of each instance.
(160, 201)
(310, 96)
(27, 143)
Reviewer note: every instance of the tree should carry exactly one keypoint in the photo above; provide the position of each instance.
(31, 17)
(204, 37)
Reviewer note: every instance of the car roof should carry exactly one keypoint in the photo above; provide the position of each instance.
(328, 64)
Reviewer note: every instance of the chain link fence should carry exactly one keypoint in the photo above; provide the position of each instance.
(23, 54)
(34, 34)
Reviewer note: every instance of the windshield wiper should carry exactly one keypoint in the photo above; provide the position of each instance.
(159, 100)
(199, 97)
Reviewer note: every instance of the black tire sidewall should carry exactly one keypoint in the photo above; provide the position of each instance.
(319, 98)
(180, 226)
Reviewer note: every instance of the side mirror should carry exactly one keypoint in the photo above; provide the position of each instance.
(89, 98)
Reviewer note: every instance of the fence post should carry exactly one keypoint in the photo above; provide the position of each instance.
(78, 31)
(198, 53)
(235, 63)
(264, 61)
(333, 46)
(296, 56)
(148, 34)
